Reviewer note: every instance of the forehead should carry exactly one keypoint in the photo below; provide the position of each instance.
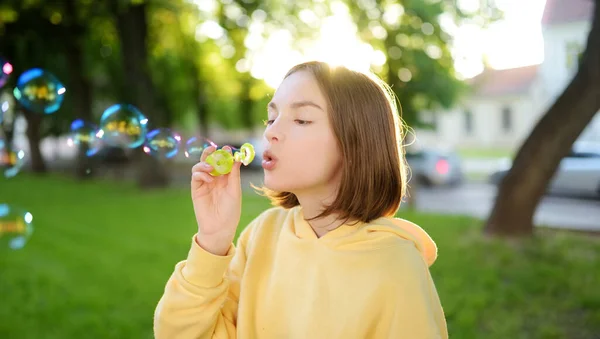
(299, 85)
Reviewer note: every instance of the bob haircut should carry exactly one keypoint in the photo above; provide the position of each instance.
(368, 127)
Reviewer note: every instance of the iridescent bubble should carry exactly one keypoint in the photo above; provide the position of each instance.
(123, 125)
(15, 227)
(39, 91)
(11, 161)
(84, 133)
(162, 143)
(5, 70)
(195, 145)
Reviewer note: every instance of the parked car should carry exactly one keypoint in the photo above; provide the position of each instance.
(434, 167)
(577, 174)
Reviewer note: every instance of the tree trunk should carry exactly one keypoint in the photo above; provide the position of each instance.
(8, 127)
(246, 103)
(80, 87)
(34, 122)
(132, 27)
(551, 139)
(201, 102)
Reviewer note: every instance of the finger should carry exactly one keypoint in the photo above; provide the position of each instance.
(206, 152)
(202, 167)
(202, 177)
(234, 176)
(228, 149)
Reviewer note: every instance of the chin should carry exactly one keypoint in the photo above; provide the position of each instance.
(273, 185)
(278, 184)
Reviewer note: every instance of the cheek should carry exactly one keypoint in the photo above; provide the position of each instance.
(317, 157)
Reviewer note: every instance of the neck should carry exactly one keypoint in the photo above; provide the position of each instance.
(312, 207)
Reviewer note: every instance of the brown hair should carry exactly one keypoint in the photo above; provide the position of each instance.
(367, 124)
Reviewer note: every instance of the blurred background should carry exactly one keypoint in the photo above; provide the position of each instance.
(105, 106)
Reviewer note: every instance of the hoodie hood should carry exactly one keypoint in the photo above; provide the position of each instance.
(379, 233)
(410, 231)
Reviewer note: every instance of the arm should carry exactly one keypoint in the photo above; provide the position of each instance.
(201, 297)
(417, 310)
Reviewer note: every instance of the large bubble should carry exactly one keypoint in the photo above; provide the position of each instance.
(5, 70)
(39, 91)
(11, 161)
(162, 143)
(123, 125)
(15, 227)
(84, 133)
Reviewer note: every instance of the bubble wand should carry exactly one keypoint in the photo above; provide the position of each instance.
(222, 161)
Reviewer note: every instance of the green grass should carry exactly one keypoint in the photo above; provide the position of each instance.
(101, 254)
(488, 153)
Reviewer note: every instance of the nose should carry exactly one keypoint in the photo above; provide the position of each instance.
(272, 132)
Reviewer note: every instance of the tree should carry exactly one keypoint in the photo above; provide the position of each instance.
(132, 27)
(33, 38)
(419, 64)
(550, 140)
(80, 79)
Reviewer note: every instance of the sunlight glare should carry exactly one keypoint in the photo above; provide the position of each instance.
(337, 45)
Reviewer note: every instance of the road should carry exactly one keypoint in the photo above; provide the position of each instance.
(476, 199)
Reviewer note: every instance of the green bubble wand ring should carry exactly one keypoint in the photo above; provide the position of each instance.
(222, 161)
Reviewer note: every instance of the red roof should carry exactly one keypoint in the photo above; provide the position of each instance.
(494, 82)
(565, 11)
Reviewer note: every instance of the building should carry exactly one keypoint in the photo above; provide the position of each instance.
(506, 104)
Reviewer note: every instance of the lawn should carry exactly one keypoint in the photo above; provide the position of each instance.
(102, 252)
(486, 153)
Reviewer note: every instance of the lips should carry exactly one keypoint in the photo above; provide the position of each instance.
(267, 155)
(269, 160)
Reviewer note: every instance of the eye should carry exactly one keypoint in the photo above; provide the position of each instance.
(302, 122)
(267, 122)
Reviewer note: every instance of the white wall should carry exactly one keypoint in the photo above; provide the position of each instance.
(487, 124)
(553, 76)
(554, 70)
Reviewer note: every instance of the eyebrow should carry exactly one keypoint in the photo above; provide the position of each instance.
(297, 104)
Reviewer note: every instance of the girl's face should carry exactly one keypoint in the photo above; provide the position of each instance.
(300, 138)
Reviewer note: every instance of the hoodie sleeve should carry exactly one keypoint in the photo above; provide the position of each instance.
(200, 299)
(417, 311)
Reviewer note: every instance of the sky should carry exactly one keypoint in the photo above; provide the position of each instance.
(513, 42)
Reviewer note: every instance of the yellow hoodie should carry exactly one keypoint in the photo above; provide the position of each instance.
(369, 280)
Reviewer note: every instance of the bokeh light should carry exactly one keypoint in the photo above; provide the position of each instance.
(5, 70)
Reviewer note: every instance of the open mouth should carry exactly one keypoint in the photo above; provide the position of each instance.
(269, 161)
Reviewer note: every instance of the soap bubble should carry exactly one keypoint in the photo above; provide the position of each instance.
(162, 143)
(15, 227)
(11, 161)
(39, 91)
(195, 145)
(123, 125)
(5, 70)
(84, 133)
